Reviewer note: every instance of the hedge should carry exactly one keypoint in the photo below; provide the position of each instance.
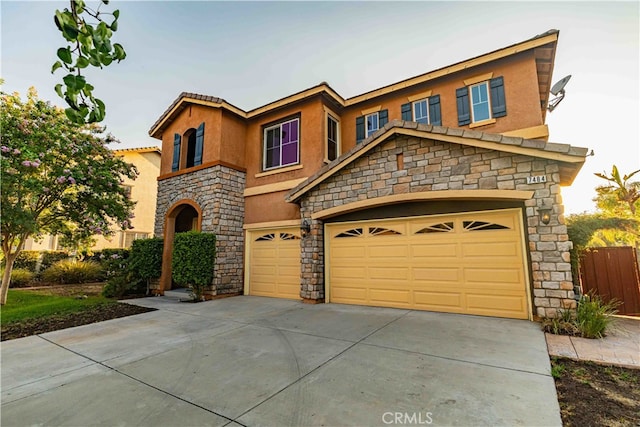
(193, 261)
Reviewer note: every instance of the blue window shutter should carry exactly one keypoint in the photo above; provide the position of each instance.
(498, 101)
(197, 160)
(434, 110)
(464, 113)
(405, 109)
(383, 118)
(360, 129)
(176, 152)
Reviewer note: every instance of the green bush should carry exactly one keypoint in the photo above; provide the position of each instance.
(146, 258)
(27, 260)
(193, 261)
(51, 257)
(21, 277)
(594, 316)
(72, 271)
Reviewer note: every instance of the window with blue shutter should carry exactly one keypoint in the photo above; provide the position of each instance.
(360, 129)
(175, 165)
(405, 110)
(199, 143)
(435, 117)
(464, 114)
(498, 101)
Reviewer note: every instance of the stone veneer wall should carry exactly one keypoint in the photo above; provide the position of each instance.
(218, 190)
(435, 166)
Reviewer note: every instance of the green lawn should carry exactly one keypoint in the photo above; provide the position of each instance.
(23, 305)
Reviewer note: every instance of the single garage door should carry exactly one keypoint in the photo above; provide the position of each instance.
(274, 263)
(469, 263)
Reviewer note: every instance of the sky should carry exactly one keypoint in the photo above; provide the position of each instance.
(252, 53)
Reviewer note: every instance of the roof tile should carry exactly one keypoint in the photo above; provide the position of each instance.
(455, 131)
(511, 140)
(491, 137)
(558, 148)
(533, 143)
(474, 134)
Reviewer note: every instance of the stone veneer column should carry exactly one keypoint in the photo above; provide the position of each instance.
(549, 247)
(218, 190)
(312, 262)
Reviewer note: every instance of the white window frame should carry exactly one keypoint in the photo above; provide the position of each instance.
(264, 145)
(426, 109)
(472, 104)
(367, 131)
(329, 115)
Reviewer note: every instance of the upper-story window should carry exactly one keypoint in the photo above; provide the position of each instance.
(369, 123)
(425, 110)
(281, 144)
(333, 138)
(372, 122)
(481, 102)
(187, 149)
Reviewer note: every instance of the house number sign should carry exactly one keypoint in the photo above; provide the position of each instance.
(536, 179)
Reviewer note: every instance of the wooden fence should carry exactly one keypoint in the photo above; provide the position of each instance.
(612, 273)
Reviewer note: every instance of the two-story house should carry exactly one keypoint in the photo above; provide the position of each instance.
(439, 192)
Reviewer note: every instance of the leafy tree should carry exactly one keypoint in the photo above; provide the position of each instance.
(57, 177)
(89, 43)
(620, 190)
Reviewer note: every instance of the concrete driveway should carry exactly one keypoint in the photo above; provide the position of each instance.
(259, 361)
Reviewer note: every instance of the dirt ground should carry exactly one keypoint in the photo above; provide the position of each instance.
(597, 395)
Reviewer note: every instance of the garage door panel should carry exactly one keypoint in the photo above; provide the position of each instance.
(508, 306)
(440, 250)
(497, 277)
(389, 274)
(389, 295)
(436, 274)
(460, 263)
(486, 249)
(440, 300)
(388, 251)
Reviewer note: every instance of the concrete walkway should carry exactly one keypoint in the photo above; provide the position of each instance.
(259, 361)
(621, 347)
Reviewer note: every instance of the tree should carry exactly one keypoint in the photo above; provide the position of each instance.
(57, 178)
(620, 190)
(89, 43)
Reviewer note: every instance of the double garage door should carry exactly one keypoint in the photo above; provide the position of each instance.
(469, 263)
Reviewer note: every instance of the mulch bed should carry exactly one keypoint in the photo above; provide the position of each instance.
(595, 395)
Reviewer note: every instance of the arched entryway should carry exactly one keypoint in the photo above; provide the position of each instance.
(184, 215)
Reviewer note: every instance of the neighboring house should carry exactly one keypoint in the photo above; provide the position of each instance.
(143, 190)
(426, 194)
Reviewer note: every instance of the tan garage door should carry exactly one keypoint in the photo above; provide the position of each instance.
(460, 263)
(274, 263)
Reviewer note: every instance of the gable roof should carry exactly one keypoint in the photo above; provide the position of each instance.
(543, 44)
(570, 158)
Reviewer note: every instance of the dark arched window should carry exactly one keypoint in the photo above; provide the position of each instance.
(187, 148)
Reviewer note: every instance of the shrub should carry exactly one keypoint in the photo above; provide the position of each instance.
(145, 260)
(120, 279)
(193, 261)
(27, 260)
(72, 271)
(21, 277)
(594, 316)
(51, 257)
(592, 319)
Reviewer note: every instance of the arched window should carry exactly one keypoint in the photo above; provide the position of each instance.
(187, 148)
